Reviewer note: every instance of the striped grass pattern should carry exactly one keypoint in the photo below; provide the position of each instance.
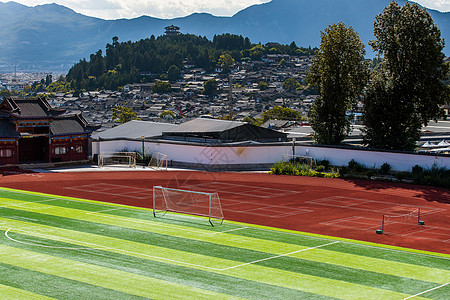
(54, 247)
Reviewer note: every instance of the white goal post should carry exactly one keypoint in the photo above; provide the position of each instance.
(158, 161)
(187, 202)
(303, 159)
(117, 158)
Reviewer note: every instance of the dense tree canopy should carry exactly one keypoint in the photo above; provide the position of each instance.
(161, 87)
(210, 87)
(147, 59)
(291, 84)
(173, 74)
(123, 114)
(281, 113)
(408, 87)
(340, 74)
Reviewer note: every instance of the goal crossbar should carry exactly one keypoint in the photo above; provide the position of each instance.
(308, 160)
(158, 161)
(187, 202)
(411, 218)
(123, 158)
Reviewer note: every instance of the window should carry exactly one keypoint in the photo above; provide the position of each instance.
(79, 149)
(59, 150)
(6, 153)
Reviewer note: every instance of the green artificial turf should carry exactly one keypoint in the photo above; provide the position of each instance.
(64, 248)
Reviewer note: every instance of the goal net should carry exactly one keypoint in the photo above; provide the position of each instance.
(187, 202)
(117, 158)
(400, 220)
(301, 159)
(158, 161)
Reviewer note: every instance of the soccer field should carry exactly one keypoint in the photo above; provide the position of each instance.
(66, 248)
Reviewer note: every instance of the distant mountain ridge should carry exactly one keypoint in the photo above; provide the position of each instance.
(54, 37)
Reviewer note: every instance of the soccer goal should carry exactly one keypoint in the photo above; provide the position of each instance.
(158, 161)
(307, 160)
(410, 218)
(187, 202)
(117, 159)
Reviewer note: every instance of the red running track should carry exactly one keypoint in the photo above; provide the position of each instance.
(335, 207)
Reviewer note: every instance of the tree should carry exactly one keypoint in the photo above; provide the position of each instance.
(281, 113)
(210, 87)
(290, 84)
(340, 74)
(5, 93)
(167, 114)
(226, 61)
(408, 87)
(262, 85)
(173, 74)
(257, 52)
(123, 114)
(161, 87)
(48, 79)
(253, 121)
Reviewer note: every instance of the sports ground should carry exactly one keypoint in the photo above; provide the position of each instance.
(93, 236)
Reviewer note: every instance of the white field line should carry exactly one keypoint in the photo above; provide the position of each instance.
(39, 245)
(100, 247)
(438, 287)
(229, 230)
(150, 223)
(281, 255)
(264, 229)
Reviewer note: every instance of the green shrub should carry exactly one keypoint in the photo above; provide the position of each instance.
(354, 166)
(385, 168)
(324, 163)
(401, 176)
(370, 173)
(320, 168)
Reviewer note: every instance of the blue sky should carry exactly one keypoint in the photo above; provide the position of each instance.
(115, 9)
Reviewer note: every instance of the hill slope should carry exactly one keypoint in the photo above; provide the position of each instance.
(53, 37)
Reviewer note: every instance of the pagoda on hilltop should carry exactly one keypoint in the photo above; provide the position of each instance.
(172, 30)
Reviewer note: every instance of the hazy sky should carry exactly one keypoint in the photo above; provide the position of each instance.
(115, 9)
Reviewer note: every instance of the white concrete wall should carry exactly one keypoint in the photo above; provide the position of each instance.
(254, 155)
(398, 161)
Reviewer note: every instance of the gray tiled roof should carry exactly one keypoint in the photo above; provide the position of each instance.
(67, 125)
(31, 108)
(134, 130)
(7, 130)
(205, 125)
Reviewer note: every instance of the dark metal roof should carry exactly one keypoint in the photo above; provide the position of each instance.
(222, 131)
(134, 130)
(201, 125)
(7, 130)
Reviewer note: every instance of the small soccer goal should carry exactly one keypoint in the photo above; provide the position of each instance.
(301, 159)
(410, 218)
(158, 161)
(187, 202)
(117, 159)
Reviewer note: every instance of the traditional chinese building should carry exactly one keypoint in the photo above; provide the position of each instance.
(32, 131)
(172, 30)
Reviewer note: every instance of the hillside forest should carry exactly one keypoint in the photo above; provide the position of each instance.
(163, 57)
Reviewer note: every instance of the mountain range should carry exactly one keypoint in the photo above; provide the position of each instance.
(52, 37)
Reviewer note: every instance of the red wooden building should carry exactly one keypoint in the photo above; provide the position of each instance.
(32, 131)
